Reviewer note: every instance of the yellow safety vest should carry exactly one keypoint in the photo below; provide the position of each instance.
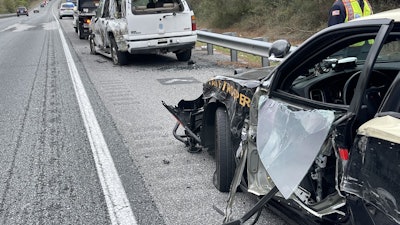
(353, 11)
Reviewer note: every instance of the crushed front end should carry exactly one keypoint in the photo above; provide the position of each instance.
(189, 115)
(197, 117)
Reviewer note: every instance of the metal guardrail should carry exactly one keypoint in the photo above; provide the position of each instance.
(7, 15)
(257, 47)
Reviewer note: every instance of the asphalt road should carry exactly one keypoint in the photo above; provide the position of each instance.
(44, 154)
(50, 172)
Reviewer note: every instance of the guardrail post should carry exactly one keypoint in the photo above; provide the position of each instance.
(264, 60)
(210, 49)
(234, 54)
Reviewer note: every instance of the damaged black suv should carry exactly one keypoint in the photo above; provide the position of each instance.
(317, 137)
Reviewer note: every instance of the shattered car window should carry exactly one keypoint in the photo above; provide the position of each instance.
(289, 140)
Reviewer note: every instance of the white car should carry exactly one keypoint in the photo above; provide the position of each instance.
(66, 9)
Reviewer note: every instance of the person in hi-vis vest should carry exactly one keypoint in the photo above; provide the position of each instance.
(346, 10)
(343, 11)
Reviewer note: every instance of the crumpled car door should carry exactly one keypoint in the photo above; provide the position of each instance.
(100, 23)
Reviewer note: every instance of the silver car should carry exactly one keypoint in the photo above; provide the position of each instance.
(66, 9)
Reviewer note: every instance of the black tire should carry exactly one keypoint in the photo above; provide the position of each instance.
(92, 45)
(224, 152)
(76, 26)
(80, 35)
(184, 56)
(119, 58)
(60, 17)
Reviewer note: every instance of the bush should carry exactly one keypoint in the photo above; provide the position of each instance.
(9, 6)
(293, 19)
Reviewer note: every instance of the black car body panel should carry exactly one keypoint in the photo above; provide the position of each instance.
(235, 93)
(373, 173)
(341, 170)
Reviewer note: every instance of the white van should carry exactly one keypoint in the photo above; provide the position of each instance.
(143, 27)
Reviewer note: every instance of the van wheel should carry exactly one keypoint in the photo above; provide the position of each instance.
(224, 152)
(184, 55)
(119, 58)
(92, 45)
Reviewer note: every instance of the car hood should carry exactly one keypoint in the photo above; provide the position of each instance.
(253, 74)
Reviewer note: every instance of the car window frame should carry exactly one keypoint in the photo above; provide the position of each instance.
(383, 33)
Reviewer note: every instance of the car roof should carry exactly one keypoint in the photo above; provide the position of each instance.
(390, 14)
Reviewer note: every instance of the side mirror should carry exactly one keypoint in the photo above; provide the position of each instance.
(279, 49)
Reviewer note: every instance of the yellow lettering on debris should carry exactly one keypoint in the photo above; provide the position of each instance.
(232, 91)
(244, 100)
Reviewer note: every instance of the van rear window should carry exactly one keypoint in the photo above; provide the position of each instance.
(154, 6)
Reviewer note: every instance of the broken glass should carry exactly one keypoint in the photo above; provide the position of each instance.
(288, 141)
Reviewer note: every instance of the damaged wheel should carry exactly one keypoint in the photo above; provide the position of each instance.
(119, 58)
(224, 151)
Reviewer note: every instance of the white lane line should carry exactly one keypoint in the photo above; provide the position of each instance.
(119, 209)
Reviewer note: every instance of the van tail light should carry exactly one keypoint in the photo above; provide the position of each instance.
(194, 23)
